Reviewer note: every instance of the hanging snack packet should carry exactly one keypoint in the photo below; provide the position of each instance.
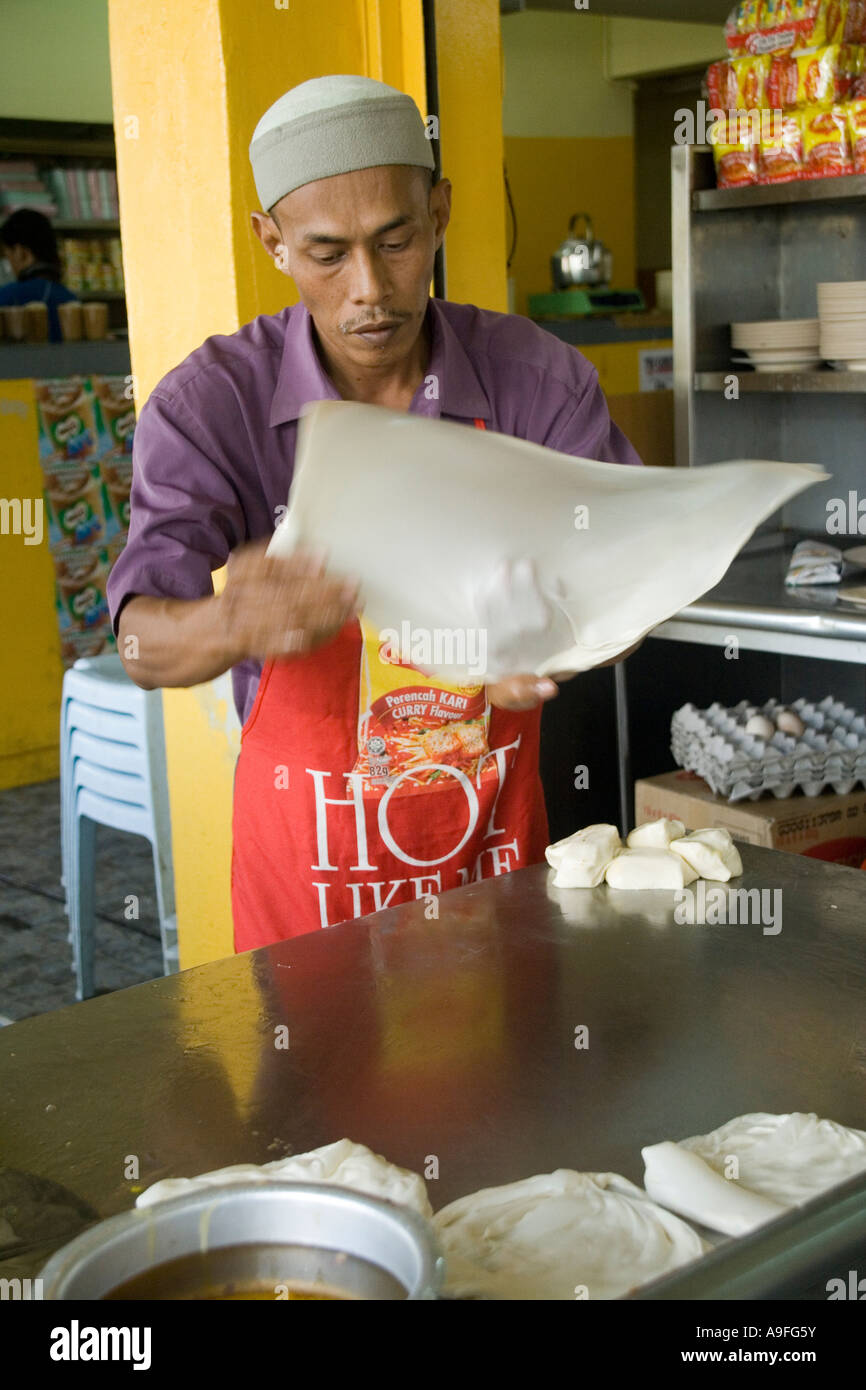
(743, 22)
(734, 152)
(819, 22)
(857, 133)
(850, 69)
(855, 26)
(412, 724)
(750, 74)
(826, 153)
(778, 31)
(720, 87)
(782, 150)
(803, 79)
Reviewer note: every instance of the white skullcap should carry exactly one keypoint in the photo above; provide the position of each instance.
(334, 125)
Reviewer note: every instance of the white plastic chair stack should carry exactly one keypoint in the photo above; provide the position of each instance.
(112, 772)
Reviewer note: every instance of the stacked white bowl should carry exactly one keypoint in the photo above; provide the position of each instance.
(777, 345)
(842, 310)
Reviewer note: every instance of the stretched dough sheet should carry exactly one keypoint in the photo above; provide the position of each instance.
(562, 1235)
(453, 530)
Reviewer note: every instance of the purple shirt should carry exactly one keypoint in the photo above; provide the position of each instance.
(214, 446)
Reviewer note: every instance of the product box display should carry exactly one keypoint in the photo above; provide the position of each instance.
(86, 425)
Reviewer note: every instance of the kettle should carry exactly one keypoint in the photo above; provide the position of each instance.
(581, 260)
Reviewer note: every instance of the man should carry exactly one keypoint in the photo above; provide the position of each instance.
(28, 243)
(331, 824)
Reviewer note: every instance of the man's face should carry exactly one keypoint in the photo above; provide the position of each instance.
(360, 248)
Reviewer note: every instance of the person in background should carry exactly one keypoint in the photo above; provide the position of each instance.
(28, 243)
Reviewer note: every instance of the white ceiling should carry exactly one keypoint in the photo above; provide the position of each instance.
(686, 11)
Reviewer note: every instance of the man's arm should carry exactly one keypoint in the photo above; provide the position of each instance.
(269, 608)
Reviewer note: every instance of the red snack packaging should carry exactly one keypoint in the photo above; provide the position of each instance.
(720, 86)
(781, 158)
(751, 75)
(743, 23)
(735, 153)
(850, 68)
(787, 24)
(857, 133)
(826, 151)
(805, 79)
(855, 25)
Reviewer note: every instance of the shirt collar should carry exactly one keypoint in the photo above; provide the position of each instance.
(451, 386)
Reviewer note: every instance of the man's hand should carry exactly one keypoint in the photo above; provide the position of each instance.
(269, 607)
(522, 692)
(528, 692)
(282, 607)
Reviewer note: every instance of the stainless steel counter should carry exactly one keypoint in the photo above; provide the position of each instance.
(450, 1040)
(753, 604)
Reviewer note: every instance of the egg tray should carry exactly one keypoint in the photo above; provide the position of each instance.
(714, 744)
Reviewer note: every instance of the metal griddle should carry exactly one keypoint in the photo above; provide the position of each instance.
(448, 1045)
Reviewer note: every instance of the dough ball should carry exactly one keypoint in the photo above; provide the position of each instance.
(656, 834)
(711, 853)
(790, 723)
(581, 859)
(649, 868)
(759, 726)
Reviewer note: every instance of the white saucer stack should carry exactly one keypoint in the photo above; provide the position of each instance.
(777, 345)
(842, 310)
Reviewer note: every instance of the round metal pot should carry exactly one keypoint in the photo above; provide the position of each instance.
(309, 1236)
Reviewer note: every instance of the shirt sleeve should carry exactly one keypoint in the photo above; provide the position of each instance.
(588, 431)
(185, 512)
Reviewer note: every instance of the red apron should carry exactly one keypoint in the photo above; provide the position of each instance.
(343, 806)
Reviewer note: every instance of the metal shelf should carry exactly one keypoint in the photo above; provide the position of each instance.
(766, 195)
(828, 383)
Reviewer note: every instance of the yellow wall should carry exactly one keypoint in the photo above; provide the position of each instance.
(54, 60)
(551, 179)
(29, 693)
(190, 82)
(642, 47)
(569, 143)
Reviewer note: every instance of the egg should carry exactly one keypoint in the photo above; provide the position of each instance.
(790, 723)
(760, 727)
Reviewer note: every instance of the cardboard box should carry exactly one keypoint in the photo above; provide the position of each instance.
(826, 827)
(647, 421)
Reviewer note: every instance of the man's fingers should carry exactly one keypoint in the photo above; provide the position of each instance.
(521, 692)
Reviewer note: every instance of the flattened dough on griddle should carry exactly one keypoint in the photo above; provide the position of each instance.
(788, 1158)
(343, 1163)
(546, 1236)
(480, 535)
(681, 1180)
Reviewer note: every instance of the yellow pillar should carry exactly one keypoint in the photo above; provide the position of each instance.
(30, 690)
(189, 84)
(468, 58)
